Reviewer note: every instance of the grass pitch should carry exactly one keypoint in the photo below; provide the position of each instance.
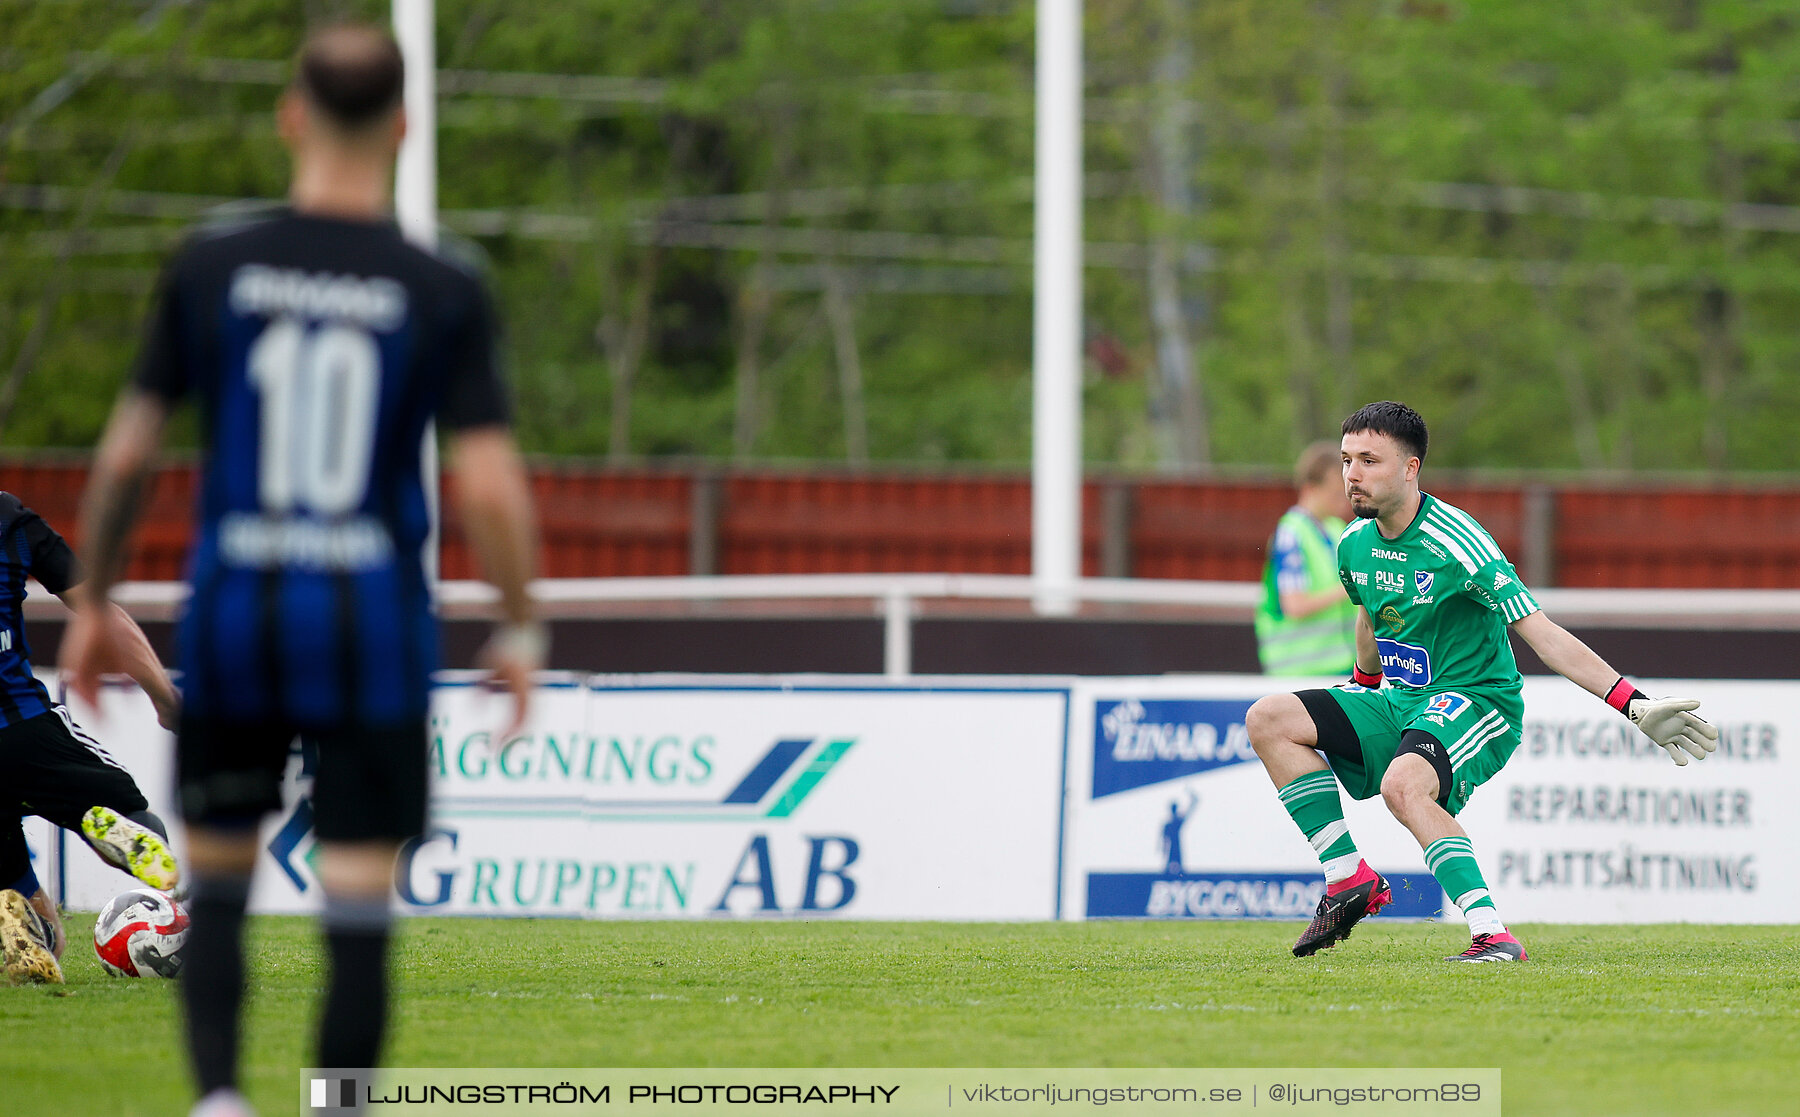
(1602, 1020)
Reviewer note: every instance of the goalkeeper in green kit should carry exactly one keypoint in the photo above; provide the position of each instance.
(1433, 710)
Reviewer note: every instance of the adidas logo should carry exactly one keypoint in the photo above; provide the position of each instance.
(1427, 748)
(1501, 580)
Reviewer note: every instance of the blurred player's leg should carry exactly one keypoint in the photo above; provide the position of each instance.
(358, 877)
(229, 778)
(212, 979)
(369, 796)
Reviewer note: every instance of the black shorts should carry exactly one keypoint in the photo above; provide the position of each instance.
(50, 768)
(369, 783)
(1337, 737)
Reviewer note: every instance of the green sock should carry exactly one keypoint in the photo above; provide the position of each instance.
(1452, 861)
(1312, 801)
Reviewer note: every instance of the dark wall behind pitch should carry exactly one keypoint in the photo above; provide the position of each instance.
(1023, 646)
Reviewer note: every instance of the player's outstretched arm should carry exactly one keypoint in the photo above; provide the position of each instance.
(1667, 721)
(495, 500)
(135, 656)
(93, 644)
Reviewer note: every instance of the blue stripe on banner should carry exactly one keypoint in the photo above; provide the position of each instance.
(769, 769)
(1241, 895)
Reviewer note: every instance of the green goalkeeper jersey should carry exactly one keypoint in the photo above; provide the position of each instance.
(1440, 597)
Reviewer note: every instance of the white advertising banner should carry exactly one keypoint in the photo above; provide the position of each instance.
(1591, 822)
(668, 797)
(1173, 816)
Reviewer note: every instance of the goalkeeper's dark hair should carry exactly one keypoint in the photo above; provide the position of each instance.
(353, 73)
(1396, 420)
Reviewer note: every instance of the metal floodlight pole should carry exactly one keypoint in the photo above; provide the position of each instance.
(1056, 312)
(415, 192)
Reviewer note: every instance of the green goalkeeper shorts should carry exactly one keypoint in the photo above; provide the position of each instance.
(1478, 726)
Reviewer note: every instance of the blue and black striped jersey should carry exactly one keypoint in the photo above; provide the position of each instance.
(318, 350)
(29, 548)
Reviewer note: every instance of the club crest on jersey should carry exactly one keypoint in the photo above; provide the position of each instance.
(1423, 579)
(1449, 704)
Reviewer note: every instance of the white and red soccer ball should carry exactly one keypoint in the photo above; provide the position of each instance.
(140, 933)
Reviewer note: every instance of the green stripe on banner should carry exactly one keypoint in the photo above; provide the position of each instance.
(809, 778)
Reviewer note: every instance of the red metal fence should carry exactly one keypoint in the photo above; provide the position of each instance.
(645, 521)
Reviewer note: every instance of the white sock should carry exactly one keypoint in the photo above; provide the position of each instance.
(1484, 920)
(1342, 868)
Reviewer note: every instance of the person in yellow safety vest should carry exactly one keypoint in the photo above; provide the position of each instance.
(1306, 624)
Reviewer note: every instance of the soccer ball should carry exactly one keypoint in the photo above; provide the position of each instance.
(140, 933)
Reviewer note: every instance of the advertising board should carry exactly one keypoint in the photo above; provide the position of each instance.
(1173, 817)
(1590, 822)
(1039, 798)
(668, 798)
(673, 797)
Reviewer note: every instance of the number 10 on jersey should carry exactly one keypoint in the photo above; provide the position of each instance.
(319, 385)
